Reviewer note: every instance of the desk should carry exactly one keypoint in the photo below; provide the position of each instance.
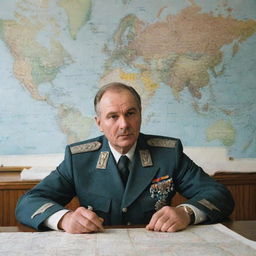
(245, 228)
(195, 240)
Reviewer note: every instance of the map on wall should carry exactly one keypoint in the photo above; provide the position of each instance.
(193, 62)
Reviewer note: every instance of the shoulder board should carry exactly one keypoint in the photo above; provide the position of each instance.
(161, 142)
(87, 147)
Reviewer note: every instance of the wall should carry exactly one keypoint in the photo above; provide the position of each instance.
(193, 62)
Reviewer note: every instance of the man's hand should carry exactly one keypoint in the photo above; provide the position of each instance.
(169, 219)
(81, 221)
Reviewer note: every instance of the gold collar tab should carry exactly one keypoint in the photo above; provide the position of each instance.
(145, 158)
(103, 160)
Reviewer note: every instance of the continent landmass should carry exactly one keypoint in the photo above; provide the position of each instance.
(33, 63)
(180, 50)
(72, 123)
(78, 12)
(223, 131)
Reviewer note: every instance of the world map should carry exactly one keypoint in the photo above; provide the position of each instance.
(193, 62)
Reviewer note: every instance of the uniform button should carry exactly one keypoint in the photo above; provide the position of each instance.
(90, 208)
(124, 210)
(129, 223)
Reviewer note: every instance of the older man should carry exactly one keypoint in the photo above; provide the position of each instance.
(124, 177)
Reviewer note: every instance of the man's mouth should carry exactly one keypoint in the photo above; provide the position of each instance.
(124, 135)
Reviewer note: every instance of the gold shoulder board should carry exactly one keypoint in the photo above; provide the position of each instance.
(87, 147)
(161, 142)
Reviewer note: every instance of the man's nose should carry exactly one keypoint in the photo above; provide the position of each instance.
(123, 122)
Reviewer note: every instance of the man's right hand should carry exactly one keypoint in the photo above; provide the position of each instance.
(81, 221)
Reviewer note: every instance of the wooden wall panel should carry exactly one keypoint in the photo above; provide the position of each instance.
(242, 186)
(8, 201)
(245, 201)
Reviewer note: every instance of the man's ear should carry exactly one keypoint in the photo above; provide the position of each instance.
(97, 120)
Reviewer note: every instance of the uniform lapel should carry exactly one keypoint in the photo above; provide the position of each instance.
(139, 178)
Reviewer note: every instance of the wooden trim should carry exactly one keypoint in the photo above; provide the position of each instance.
(13, 168)
(235, 178)
(17, 185)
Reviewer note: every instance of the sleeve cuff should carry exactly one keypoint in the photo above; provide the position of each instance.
(52, 221)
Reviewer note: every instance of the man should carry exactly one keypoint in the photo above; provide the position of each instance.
(157, 168)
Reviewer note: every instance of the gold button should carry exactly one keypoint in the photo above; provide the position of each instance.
(129, 223)
(124, 210)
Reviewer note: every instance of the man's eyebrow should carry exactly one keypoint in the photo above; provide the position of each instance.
(111, 113)
(132, 109)
(116, 112)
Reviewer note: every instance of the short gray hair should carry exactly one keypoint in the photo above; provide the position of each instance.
(115, 86)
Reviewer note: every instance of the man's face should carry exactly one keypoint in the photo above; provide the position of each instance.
(119, 119)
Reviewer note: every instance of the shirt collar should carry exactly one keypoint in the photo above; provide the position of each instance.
(129, 154)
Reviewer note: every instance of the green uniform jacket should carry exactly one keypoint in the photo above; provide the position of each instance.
(159, 170)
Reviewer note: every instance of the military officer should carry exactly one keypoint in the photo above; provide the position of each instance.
(138, 192)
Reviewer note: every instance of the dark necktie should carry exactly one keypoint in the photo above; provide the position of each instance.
(123, 168)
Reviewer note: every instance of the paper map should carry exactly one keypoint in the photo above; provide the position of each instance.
(196, 240)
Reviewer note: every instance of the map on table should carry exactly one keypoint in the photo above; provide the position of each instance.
(210, 240)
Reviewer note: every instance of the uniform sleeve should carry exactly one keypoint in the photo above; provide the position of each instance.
(47, 197)
(200, 189)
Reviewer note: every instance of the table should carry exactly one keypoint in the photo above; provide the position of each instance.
(196, 240)
(245, 228)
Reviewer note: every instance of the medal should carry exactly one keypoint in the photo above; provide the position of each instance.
(160, 189)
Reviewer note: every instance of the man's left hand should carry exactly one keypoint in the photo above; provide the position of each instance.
(169, 219)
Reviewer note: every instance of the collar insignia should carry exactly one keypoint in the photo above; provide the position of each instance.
(145, 158)
(103, 160)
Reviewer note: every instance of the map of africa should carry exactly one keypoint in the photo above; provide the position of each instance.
(193, 62)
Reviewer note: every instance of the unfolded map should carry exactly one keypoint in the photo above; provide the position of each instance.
(207, 240)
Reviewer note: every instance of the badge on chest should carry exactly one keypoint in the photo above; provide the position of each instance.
(160, 189)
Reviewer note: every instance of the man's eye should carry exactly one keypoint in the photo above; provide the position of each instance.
(113, 117)
(130, 113)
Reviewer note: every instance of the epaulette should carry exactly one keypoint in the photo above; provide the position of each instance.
(161, 142)
(87, 147)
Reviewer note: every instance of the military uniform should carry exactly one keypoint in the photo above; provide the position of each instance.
(89, 172)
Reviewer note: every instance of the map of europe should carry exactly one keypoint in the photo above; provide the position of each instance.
(193, 62)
